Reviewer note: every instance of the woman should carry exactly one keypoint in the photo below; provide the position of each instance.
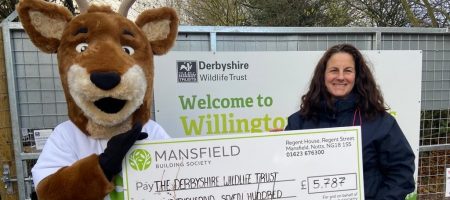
(343, 92)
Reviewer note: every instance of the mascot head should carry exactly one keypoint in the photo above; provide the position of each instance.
(105, 60)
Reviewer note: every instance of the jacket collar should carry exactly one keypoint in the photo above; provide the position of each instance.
(340, 106)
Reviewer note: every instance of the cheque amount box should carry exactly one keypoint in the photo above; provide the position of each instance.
(331, 183)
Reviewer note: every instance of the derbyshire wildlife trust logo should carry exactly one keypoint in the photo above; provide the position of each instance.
(187, 71)
(140, 159)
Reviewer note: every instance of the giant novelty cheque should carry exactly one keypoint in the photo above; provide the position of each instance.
(304, 164)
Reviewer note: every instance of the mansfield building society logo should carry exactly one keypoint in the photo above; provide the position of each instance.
(140, 159)
(187, 71)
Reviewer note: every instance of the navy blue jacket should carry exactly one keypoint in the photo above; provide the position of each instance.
(388, 160)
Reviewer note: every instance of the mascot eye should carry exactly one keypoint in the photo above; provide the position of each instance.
(81, 47)
(129, 50)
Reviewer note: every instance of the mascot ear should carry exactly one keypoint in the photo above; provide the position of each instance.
(44, 22)
(160, 26)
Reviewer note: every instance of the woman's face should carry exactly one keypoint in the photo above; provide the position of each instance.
(340, 74)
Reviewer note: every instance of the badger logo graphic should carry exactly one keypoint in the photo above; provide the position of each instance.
(187, 71)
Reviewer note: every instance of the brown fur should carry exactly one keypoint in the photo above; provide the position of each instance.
(104, 37)
(105, 33)
(67, 182)
(109, 28)
(48, 45)
(161, 46)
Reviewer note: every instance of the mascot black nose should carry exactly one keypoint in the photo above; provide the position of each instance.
(105, 80)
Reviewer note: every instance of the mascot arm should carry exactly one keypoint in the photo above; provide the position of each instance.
(68, 167)
(82, 180)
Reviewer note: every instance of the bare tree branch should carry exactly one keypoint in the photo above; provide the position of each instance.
(430, 12)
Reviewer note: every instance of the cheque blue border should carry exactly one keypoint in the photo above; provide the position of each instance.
(253, 135)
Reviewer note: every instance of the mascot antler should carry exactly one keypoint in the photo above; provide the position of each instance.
(125, 6)
(83, 6)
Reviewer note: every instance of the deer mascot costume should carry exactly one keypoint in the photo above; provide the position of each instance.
(106, 67)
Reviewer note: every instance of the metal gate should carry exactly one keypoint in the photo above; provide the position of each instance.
(37, 100)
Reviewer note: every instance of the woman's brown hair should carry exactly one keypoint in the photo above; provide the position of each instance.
(368, 96)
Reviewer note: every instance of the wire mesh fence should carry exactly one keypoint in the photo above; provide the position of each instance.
(41, 102)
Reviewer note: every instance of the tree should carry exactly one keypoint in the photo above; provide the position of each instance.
(213, 12)
(431, 13)
(6, 8)
(68, 4)
(141, 5)
(427, 13)
(298, 12)
(380, 13)
(223, 12)
(414, 21)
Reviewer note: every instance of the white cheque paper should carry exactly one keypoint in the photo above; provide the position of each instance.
(308, 164)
